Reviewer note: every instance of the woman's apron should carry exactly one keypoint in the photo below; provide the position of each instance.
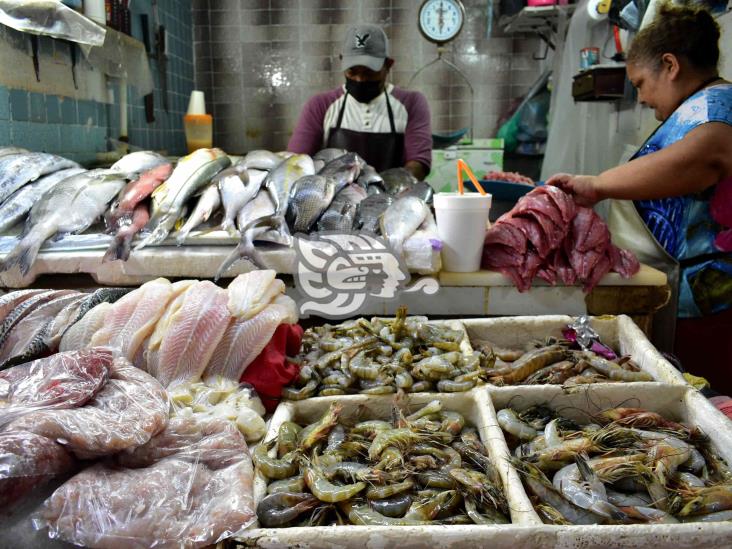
(380, 150)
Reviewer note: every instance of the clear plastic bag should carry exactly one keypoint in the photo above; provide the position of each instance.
(131, 408)
(50, 18)
(190, 486)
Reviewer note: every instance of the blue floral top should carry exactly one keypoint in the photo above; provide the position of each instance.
(684, 225)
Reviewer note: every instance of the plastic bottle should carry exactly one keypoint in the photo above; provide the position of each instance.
(197, 124)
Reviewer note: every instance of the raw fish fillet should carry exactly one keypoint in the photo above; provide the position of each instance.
(80, 334)
(134, 316)
(131, 408)
(190, 486)
(9, 301)
(251, 292)
(245, 339)
(194, 331)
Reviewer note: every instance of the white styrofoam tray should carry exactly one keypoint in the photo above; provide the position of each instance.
(618, 332)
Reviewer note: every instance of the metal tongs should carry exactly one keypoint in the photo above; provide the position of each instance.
(581, 332)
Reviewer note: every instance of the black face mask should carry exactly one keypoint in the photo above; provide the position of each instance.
(363, 92)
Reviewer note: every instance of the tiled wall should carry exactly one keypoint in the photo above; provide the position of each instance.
(79, 128)
(259, 60)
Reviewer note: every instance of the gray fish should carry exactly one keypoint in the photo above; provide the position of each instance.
(369, 176)
(261, 160)
(343, 170)
(18, 170)
(326, 155)
(69, 207)
(136, 163)
(191, 174)
(401, 219)
(370, 211)
(5, 151)
(341, 214)
(208, 202)
(421, 190)
(397, 180)
(235, 190)
(24, 308)
(283, 177)
(257, 177)
(310, 197)
(21, 201)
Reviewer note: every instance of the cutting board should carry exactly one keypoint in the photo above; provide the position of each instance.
(646, 276)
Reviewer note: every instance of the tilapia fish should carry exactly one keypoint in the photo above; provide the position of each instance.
(207, 204)
(18, 170)
(139, 162)
(236, 190)
(369, 176)
(397, 180)
(421, 190)
(310, 197)
(284, 176)
(343, 170)
(341, 214)
(402, 219)
(370, 211)
(326, 155)
(21, 201)
(261, 160)
(69, 207)
(192, 172)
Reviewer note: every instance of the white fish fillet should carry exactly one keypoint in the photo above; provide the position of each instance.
(251, 292)
(245, 339)
(133, 317)
(79, 336)
(195, 329)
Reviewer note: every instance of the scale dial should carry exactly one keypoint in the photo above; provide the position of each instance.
(440, 21)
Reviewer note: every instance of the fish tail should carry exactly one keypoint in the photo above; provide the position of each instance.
(25, 253)
(158, 234)
(228, 226)
(119, 248)
(244, 250)
(182, 235)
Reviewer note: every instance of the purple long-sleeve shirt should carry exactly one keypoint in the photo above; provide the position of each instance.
(411, 117)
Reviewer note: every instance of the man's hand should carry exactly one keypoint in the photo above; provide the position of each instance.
(417, 169)
(583, 188)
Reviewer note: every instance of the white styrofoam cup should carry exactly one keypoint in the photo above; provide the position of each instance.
(196, 104)
(94, 10)
(462, 220)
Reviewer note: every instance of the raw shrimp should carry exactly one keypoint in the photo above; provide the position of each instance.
(326, 491)
(312, 434)
(400, 438)
(612, 371)
(528, 364)
(309, 390)
(293, 484)
(365, 516)
(335, 439)
(509, 422)
(287, 438)
(449, 457)
(488, 516)
(280, 508)
(274, 468)
(580, 485)
(443, 503)
(702, 501)
(389, 490)
(394, 507)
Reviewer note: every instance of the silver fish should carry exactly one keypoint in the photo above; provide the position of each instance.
(192, 172)
(138, 162)
(397, 180)
(5, 151)
(208, 202)
(421, 190)
(284, 176)
(343, 170)
(18, 170)
(309, 198)
(370, 211)
(257, 177)
(326, 155)
(69, 207)
(369, 176)
(236, 190)
(341, 214)
(21, 201)
(261, 160)
(401, 219)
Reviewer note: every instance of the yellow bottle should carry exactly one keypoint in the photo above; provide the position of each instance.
(197, 124)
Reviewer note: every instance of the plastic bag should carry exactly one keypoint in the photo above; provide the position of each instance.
(190, 486)
(50, 18)
(130, 409)
(65, 380)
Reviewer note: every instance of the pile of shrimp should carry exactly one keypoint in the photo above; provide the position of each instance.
(551, 361)
(627, 466)
(422, 468)
(381, 356)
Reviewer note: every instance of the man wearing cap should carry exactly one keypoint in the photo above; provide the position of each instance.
(387, 126)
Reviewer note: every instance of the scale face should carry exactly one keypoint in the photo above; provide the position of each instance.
(440, 21)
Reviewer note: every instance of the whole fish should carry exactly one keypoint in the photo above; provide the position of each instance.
(18, 170)
(257, 177)
(235, 190)
(192, 172)
(69, 207)
(121, 245)
(343, 170)
(208, 202)
(284, 176)
(369, 176)
(326, 155)
(401, 219)
(261, 160)
(263, 205)
(5, 151)
(421, 190)
(370, 211)
(309, 198)
(138, 162)
(341, 214)
(21, 201)
(134, 192)
(397, 180)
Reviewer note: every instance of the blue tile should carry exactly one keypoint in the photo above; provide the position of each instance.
(68, 111)
(52, 139)
(87, 113)
(4, 103)
(102, 114)
(19, 109)
(24, 136)
(53, 110)
(37, 107)
(5, 137)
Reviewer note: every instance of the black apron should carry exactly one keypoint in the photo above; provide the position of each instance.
(380, 150)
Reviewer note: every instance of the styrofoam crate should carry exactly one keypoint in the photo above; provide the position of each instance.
(677, 403)
(618, 332)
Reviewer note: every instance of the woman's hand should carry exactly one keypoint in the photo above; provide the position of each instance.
(583, 188)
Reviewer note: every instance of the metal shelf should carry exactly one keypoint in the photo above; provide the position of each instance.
(539, 19)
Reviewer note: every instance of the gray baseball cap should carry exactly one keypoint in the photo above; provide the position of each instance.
(365, 45)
